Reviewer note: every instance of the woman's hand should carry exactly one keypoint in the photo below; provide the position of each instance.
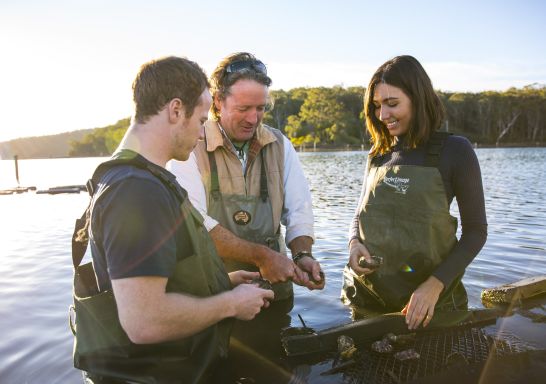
(356, 251)
(420, 307)
(242, 277)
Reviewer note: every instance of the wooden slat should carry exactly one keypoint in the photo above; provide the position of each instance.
(514, 292)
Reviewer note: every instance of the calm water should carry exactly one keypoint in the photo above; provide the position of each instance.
(36, 269)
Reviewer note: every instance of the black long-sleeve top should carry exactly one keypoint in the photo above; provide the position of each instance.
(461, 175)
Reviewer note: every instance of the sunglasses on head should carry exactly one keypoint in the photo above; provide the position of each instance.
(240, 65)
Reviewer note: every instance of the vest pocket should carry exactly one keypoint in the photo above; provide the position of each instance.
(96, 325)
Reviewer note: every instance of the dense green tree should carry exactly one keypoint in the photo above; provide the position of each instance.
(283, 105)
(513, 116)
(327, 116)
(101, 141)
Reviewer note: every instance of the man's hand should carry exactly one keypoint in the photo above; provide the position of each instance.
(149, 314)
(420, 308)
(276, 267)
(248, 300)
(242, 277)
(315, 276)
(356, 251)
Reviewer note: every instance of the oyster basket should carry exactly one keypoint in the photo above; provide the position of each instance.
(438, 350)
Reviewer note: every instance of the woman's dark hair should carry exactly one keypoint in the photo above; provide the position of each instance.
(428, 112)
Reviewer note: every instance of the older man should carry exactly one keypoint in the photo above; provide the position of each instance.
(246, 179)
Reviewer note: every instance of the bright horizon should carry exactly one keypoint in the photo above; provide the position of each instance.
(67, 67)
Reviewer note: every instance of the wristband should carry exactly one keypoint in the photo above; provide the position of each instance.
(302, 254)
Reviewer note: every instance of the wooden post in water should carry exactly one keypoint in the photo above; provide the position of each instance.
(16, 169)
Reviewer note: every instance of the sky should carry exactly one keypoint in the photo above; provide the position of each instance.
(69, 65)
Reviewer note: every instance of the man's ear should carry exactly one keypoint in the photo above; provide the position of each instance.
(217, 103)
(176, 110)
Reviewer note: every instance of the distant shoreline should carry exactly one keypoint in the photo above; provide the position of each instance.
(347, 147)
(328, 148)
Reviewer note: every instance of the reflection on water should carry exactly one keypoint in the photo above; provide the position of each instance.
(36, 270)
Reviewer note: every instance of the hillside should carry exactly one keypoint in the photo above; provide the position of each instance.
(85, 142)
(37, 147)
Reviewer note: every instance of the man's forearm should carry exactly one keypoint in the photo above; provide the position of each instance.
(231, 247)
(274, 266)
(149, 315)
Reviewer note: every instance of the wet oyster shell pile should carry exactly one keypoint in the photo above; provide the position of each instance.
(387, 343)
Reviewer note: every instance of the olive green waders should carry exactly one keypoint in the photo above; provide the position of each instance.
(255, 345)
(248, 216)
(101, 345)
(405, 219)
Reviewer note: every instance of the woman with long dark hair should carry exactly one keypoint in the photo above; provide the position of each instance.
(404, 253)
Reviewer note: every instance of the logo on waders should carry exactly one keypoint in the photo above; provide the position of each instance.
(399, 184)
(241, 217)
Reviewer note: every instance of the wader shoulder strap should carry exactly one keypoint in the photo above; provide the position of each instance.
(80, 236)
(264, 194)
(215, 184)
(434, 148)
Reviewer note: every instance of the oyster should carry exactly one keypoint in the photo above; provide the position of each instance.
(345, 347)
(317, 281)
(400, 339)
(408, 354)
(376, 262)
(382, 346)
(262, 283)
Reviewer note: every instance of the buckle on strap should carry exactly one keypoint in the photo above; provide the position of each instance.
(272, 241)
(72, 319)
(91, 186)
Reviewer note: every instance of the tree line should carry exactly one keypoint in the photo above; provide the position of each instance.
(333, 116)
(101, 141)
(496, 118)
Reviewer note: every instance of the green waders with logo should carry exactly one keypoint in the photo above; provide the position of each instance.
(405, 219)
(103, 349)
(255, 345)
(250, 218)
